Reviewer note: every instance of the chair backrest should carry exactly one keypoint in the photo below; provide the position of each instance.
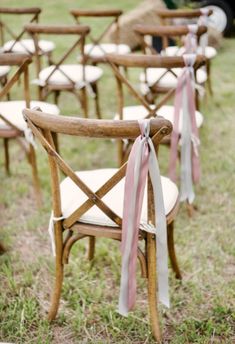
(113, 14)
(6, 25)
(167, 14)
(77, 31)
(22, 61)
(42, 125)
(165, 33)
(117, 63)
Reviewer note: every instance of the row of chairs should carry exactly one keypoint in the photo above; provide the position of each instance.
(89, 203)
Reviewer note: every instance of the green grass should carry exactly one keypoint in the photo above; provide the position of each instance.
(202, 307)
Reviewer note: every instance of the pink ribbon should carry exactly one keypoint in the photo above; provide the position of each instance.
(191, 40)
(185, 101)
(141, 160)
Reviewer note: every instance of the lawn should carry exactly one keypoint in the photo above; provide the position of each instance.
(202, 306)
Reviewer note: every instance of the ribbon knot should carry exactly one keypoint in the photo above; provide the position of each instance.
(185, 104)
(142, 160)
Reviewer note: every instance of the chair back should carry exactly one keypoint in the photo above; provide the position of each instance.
(117, 62)
(165, 33)
(112, 14)
(6, 19)
(167, 15)
(77, 31)
(43, 125)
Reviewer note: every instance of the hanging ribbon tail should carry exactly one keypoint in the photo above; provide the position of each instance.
(185, 103)
(139, 162)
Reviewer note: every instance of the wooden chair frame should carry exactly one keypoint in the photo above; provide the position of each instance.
(165, 33)
(34, 12)
(41, 124)
(117, 62)
(115, 14)
(80, 31)
(22, 61)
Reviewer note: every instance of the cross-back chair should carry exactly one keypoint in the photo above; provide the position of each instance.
(161, 107)
(96, 50)
(12, 123)
(63, 76)
(199, 17)
(90, 203)
(18, 43)
(164, 79)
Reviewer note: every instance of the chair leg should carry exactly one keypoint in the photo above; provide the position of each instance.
(2, 248)
(56, 141)
(152, 286)
(97, 103)
(171, 250)
(36, 182)
(91, 248)
(84, 102)
(6, 153)
(208, 71)
(56, 97)
(55, 300)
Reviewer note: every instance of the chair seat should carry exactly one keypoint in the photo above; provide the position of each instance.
(72, 197)
(169, 80)
(167, 111)
(26, 45)
(12, 110)
(74, 72)
(210, 52)
(4, 70)
(106, 48)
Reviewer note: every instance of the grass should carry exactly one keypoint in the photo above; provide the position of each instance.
(202, 307)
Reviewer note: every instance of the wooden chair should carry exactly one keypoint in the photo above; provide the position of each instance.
(89, 203)
(164, 79)
(12, 123)
(190, 16)
(96, 50)
(144, 109)
(58, 77)
(18, 44)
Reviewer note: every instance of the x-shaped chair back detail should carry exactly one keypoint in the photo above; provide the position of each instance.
(9, 130)
(33, 12)
(41, 124)
(97, 41)
(117, 63)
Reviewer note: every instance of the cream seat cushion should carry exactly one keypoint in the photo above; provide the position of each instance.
(210, 52)
(167, 111)
(72, 197)
(4, 70)
(106, 48)
(26, 45)
(74, 72)
(12, 110)
(169, 80)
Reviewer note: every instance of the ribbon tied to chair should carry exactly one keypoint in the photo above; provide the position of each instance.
(142, 160)
(190, 44)
(185, 106)
(204, 20)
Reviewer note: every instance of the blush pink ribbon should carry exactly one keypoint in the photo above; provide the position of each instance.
(184, 105)
(204, 20)
(142, 160)
(190, 44)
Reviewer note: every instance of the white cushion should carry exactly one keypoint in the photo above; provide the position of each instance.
(12, 110)
(4, 70)
(74, 72)
(167, 111)
(45, 46)
(169, 80)
(106, 48)
(210, 52)
(72, 197)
